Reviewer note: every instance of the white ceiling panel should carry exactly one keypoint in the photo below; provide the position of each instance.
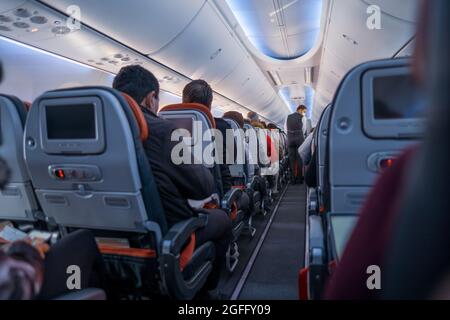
(143, 25)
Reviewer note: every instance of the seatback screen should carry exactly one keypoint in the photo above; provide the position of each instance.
(70, 122)
(396, 97)
(183, 123)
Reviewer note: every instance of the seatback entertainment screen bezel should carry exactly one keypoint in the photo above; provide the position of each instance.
(80, 146)
(387, 128)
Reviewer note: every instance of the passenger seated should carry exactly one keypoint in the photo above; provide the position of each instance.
(176, 183)
(308, 155)
(199, 91)
(305, 150)
(417, 262)
(250, 171)
(253, 118)
(239, 119)
(39, 272)
(403, 226)
(29, 272)
(273, 179)
(4, 170)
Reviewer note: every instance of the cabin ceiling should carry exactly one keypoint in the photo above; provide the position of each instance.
(204, 39)
(281, 29)
(108, 40)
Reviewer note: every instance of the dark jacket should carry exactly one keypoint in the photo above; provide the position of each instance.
(227, 179)
(294, 126)
(176, 183)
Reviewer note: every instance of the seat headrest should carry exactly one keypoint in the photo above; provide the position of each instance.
(191, 106)
(139, 115)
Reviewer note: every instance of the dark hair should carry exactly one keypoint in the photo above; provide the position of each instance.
(302, 107)
(136, 81)
(198, 91)
(272, 126)
(252, 116)
(236, 116)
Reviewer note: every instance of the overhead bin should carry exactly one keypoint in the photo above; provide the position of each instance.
(146, 26)
(203, 46)
(205, 49)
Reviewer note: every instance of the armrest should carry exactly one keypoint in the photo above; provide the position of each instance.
(254, 183)
(318, 268)
(316, 240)
(85, 294)
(180, 233)
(313, 207)
(231, 196)
(173, 281)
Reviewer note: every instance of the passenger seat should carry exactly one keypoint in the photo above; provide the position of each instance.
(17, 200)
(83, 149)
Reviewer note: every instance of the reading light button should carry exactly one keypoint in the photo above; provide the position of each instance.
(78, 173)
(59, 174)
(377, 162)
(386, 163)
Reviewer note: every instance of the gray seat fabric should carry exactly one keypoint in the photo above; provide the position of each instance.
(17, 199)
(351, 151)
(107, 184)
(122, 195)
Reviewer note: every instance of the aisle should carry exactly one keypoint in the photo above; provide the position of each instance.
(274, 273)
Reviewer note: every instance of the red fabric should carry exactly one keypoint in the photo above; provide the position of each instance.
(303, 284)
(371, 235)
(234, 210)
(139, 115)
(186, 254)
(192, 106)
(296, 168)
(269, 146)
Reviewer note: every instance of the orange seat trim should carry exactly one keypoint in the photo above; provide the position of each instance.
(187, 253)
(130, 252)
(234, 211)
(139, 115)
(303, 284)
(191, 106)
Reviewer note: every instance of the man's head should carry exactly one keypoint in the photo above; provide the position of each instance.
(302, 109)
(236, 116)
(198, 91)
(263, 123)
(140, 84)
(252, 116)
(272, 126)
